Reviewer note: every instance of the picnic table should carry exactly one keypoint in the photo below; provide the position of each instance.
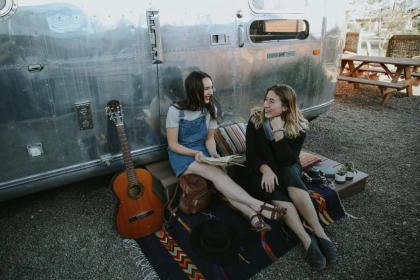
(400, 71)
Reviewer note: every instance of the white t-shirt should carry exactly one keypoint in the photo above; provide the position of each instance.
(172, 118)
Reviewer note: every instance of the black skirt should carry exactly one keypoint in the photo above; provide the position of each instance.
(288, 176)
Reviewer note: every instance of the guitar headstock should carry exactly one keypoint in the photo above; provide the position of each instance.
(115, 112)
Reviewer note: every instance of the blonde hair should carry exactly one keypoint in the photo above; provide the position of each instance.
(294, 121)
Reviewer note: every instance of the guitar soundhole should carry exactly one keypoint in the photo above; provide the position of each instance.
(135, 191)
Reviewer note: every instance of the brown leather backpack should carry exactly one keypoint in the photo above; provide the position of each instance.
(195, 196)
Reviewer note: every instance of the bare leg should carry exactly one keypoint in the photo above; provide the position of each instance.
(224, 184)
(250, 214)
(303, 203)
(293, 221)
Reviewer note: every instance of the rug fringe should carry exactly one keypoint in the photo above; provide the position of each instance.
(135, 253)
(347, 214)
(353, 217)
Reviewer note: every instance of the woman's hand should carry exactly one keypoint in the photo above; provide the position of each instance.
(215, 155)
(198, 156)
(269, 179)
(277, 123)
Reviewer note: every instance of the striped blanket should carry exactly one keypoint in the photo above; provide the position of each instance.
(169, 252)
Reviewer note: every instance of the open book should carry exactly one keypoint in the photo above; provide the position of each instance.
(225, 161)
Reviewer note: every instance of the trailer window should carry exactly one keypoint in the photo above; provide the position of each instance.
(279, 29)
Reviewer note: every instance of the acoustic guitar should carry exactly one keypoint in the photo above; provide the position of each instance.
(140, 211)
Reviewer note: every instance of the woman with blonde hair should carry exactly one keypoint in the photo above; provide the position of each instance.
(190, 126)
(274, 139)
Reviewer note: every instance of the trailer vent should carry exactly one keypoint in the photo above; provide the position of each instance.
(219, 39)
(35, 150)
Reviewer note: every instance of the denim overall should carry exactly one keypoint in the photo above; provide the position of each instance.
(191, 134)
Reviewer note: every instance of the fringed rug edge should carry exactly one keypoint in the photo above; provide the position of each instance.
(147, 272)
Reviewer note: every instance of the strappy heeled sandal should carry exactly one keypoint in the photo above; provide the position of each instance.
(277, 212)
(260, 225)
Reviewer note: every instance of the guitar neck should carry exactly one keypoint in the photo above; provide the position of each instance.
(125, 148)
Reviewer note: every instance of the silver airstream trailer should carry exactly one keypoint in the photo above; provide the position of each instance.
(61, 61)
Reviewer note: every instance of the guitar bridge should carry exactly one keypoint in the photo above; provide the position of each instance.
(141, 215)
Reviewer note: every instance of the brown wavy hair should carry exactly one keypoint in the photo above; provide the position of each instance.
(195, 94)
(294, 120)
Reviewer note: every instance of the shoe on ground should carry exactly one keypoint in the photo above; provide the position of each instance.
(328, 249)
(314, 256)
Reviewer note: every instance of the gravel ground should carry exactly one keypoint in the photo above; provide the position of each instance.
(68, 233)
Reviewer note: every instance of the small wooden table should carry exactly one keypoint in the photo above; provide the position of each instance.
(348, 188)
(403, 69)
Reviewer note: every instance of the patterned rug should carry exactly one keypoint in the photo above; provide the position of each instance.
(171, 256)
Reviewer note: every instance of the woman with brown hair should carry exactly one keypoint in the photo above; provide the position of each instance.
(274, 139)
(190, 126)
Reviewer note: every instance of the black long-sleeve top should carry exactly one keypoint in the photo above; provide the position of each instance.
(260, 150)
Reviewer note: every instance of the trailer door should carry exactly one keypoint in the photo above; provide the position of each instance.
(196, 35)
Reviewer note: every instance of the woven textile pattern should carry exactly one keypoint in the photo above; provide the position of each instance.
(184, 262)
(173, 258)
(230, 139)
(307, 160)
(322, 208)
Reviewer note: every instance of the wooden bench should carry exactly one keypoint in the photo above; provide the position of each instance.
(381, 84)
(396, 85)
(164, 180)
